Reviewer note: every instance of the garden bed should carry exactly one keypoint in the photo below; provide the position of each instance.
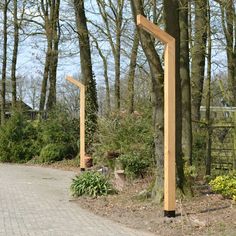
(205, 214)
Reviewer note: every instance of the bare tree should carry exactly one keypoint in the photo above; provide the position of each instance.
(208, 95)
(198, 56)
(113, 21)
(131, 74)
(4, 61)
(17, 25)
(185, 81)
(105, 73)
(228, 20)
(49, 13)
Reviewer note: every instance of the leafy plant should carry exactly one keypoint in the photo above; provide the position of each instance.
(59, 128)
(58, 135)
(129, 135)
(225, 185)
(190, 171)
(54, 152)
(18, 140)
(91, 184)
(134, 165)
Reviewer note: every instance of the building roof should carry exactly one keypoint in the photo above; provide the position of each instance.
(19, 104)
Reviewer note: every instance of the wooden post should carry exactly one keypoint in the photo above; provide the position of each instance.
(82, 120)
(169, 112)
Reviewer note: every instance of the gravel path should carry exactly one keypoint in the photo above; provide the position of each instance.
(36, 201)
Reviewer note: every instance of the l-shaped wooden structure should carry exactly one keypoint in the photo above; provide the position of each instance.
(82, 120)
(169, 112)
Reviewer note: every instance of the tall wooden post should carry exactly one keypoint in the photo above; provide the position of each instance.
(169, 112)
(82, 120)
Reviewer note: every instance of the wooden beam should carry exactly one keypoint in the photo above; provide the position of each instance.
(82, 119)
(169, 113)
(75, 82)
(153, 29)
(169, 128)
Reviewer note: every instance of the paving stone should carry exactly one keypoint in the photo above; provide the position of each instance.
(35, 201)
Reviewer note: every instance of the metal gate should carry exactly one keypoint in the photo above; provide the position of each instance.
(223, 138)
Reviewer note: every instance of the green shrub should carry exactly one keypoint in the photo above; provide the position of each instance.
(18, 140)
(54, 152)
(59, 128)
(125, 134)
(62, 133)
(91, 184)
(225, 185)
(134, 165)
(190, 171)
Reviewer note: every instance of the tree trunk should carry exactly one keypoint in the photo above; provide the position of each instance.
(108, 97)
(117, 18)
(105, 67)
(228, 23)
(117, 68)
(85, 53)
(15, 54)
(87, 73)
(131, 75)
(208, 97)
(185, 82)
(119, 21)
(52, 79)
(171, 14)
(154, 3)
(157, 92)
(4, 62)
(50, 10)
(45, 79)
(190, 19)
(54, 31)
(198, 56)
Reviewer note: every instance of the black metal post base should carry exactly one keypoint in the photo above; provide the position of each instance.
(82, 169)
(169, 214)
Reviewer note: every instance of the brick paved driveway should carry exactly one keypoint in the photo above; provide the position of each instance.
(35, 201)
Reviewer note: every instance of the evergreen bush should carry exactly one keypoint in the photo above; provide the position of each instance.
(18, 140)
(54, 152)
(60, 132)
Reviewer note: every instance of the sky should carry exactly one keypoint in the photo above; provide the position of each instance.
(32, 51)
